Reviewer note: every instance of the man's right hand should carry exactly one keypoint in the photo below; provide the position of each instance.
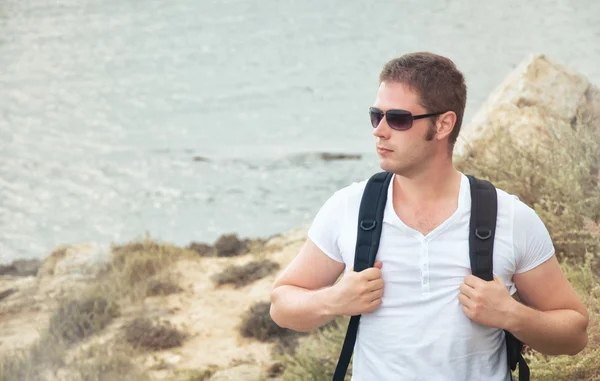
(358, 292)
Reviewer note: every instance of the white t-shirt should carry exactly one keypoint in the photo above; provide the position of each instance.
(420, 331)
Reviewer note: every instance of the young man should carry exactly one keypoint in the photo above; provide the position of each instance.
(424, 315)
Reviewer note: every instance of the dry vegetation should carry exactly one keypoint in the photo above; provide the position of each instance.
(137, 269)
(241, 276)
(68, 349)
(145, 333)
(257, 323)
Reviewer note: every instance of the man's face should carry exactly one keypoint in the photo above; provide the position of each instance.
(402, 152)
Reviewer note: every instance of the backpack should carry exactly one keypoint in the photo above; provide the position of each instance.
(484, 205)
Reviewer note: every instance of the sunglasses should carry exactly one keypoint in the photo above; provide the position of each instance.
(399, 120)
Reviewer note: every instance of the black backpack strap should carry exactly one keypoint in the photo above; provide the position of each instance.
(482, 230)
(484, 209)
(370, 222)
(513, 350)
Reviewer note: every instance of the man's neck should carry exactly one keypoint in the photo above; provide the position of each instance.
(431, 185)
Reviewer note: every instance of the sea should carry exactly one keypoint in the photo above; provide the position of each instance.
(186, 120)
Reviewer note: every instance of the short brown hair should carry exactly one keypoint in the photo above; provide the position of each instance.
(440, 85)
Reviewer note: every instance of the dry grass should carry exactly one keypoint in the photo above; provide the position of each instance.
(147, 334)
(76, 319)
(158, 287)
(105, 362)
(34, 363)
(142, 268)
(241, 276)
(137, 262)
(316, 358)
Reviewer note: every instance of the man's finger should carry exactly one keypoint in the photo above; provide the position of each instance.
(376, 284)
(467, 290)
(465, 301)
(372, 273)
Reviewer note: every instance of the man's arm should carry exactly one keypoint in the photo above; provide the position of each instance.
(304, 296)
(300, 295)
(552, 320)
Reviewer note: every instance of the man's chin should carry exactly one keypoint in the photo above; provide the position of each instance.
(386, 165)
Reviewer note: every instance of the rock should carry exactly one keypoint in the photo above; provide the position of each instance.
(539, 100)
(21, 267)
(229, 245)
(80, 260)
(202, 249)
(339, 156)
(67, 268)
(240, 372)
(201, 159)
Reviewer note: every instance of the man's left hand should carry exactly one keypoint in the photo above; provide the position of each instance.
(487, 303)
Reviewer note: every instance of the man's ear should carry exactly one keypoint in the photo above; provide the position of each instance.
(445, 124)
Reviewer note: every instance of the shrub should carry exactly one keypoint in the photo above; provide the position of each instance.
(201, 249)
(158, 287)
(76, 319)
(257, 323)
(144, 333)
(229, 245)
(243, 275)
(136, 262)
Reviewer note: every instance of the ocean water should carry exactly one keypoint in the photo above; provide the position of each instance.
(187, 120)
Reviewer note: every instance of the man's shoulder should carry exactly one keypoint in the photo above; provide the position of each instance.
(352, 193)
(520, 211)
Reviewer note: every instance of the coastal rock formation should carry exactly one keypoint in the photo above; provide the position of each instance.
(539, 100)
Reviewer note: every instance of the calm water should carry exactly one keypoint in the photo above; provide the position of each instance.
(104, 105)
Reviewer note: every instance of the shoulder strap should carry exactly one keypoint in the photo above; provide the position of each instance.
(370, 221)
(484, 209)
(482, 230)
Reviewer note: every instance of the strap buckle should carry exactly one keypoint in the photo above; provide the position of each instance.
(367, 225)
(483, 233)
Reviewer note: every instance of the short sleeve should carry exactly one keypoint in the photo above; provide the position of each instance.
(531, 240)
(326, 226)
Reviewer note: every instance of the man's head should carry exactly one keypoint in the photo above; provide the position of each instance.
(420, 83)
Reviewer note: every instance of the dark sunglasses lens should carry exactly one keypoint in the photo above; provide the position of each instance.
(376, 116)
(399, 120)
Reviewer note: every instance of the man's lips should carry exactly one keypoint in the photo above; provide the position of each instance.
(382, 149)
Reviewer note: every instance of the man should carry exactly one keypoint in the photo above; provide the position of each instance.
(424, 315)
